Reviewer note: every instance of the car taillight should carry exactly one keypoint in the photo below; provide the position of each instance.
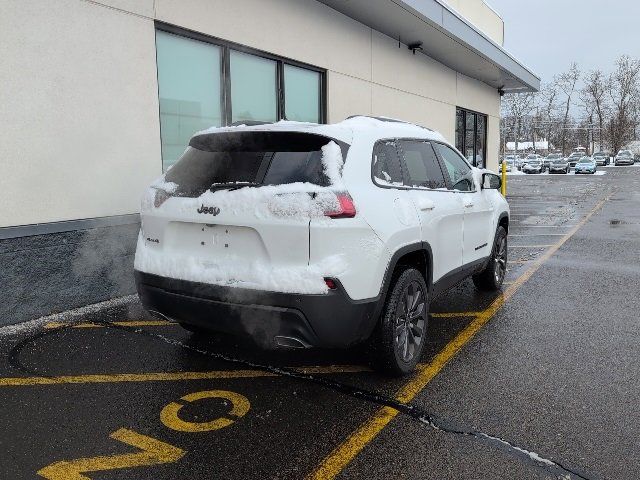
(160, 197)
(346, 207)
(331, 283)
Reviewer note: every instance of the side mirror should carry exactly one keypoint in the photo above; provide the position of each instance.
(491, 181)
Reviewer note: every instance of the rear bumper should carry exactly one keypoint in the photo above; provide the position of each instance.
(271, 319)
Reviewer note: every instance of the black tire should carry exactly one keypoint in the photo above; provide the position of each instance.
(491, 278)
(400, 335)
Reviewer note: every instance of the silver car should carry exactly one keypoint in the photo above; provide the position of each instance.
(601, 158)
(558, 164)
(624, 157)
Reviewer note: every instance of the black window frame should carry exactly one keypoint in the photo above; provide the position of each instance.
(225, 66)
(462, 146)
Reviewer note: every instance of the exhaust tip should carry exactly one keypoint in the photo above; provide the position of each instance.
(290, 342)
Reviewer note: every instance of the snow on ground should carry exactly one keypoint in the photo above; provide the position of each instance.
(66, 316)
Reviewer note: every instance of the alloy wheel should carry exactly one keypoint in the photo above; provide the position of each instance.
(411, 315)
(500, 260)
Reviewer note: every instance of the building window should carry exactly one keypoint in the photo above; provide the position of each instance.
(302, 97)
(189, 90)
(253, 88)
(471, 136)
(205, 82)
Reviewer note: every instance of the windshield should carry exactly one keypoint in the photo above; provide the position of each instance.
(585, 160)
(554, 156)
(599, 154)
(624, 153)
(575, 155)
(532, 156)
(235, 159)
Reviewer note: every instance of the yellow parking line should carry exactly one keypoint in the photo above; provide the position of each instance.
(537, 235)
(344, 453)
(129, 323)
(171, 376)
(531, 246)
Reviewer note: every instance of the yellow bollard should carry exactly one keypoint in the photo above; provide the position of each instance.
(503, 186)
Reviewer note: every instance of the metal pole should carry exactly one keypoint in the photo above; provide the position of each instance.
(503, 185)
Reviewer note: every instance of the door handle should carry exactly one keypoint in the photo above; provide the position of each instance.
(426, 204)
(468, 204)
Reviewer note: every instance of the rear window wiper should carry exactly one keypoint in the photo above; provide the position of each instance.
(232, 185)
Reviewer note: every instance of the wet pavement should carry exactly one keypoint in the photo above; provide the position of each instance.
(541, 381)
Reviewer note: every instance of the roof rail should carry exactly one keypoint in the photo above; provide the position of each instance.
(249, 123)
(389, 120)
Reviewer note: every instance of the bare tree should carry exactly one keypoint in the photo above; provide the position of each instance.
(594, 96)
(624, 93)
(548, 105)
(516, 107)
(566, 82)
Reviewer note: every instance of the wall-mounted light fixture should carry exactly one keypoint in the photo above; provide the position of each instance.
(415, 46)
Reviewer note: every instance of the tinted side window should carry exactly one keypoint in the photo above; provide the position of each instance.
(459, 171)
(386, 165)
(421, 163)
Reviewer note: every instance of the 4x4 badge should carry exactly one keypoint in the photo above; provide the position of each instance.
(211, 210)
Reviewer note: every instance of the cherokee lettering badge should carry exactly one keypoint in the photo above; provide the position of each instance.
(211, 210)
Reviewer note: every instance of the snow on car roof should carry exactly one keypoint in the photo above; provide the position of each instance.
(345, 130)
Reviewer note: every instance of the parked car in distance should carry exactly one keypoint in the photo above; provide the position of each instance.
(573, 158)
(586, 165)
(624, 157)
(256, 231)
(533, 165)
(515, 159)
(601, 158)
(549, 158)
(558, 164)
(510, 163)
(534, 156)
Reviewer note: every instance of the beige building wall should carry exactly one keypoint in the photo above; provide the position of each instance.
(480, 14)
(79, 90)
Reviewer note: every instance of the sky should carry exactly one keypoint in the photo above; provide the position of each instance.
(548, 35)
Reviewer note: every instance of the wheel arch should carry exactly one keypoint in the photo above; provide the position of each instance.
(409, 255)
(503, 221)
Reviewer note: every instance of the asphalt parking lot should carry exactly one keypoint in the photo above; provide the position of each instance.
(541, 381)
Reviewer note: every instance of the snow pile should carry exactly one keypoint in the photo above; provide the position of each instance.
(332, 163)
(300, 201)
(297, 200)
(238, 272)
(162, 184)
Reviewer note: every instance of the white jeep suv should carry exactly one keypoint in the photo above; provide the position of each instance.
(306, 235)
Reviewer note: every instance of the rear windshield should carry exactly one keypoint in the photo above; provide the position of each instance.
(233, 159)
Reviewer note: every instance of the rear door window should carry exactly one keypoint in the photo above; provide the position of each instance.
(421, 165)
(386, 164)
(230, 159)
